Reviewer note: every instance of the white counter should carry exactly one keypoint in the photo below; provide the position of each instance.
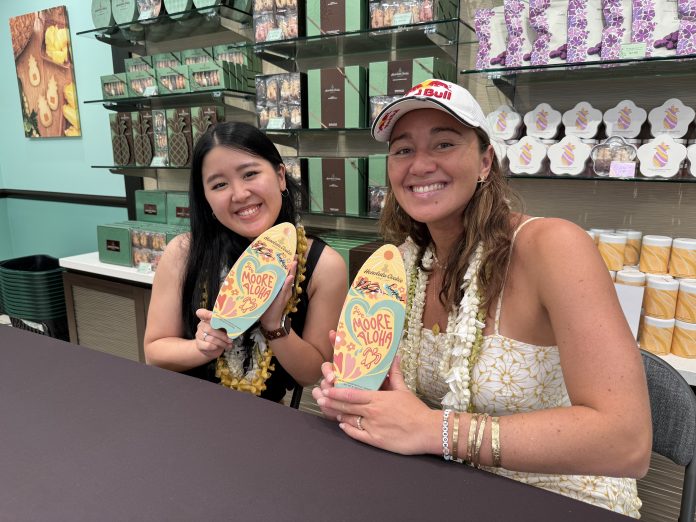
(90, 263)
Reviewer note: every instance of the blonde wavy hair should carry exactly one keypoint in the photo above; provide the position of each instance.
(487, 218)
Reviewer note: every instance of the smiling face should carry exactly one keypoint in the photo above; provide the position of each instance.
(434, 163)
(243, 190)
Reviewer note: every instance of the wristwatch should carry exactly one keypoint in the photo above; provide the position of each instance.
(284, 330)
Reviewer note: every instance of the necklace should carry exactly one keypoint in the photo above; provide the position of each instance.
(229, 367)
(463, 336)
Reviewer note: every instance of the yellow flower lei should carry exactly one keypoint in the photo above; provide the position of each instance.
(261, 354)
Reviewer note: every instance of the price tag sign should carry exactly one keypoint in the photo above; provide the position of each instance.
(150, 91)
(158, 161)
(622, 169)
(144, 268)
(276, 123)
(401, 19)
(632, 51)
(274, 34)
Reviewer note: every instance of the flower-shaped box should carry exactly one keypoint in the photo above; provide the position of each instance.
(624, 120)
(569, 156)
(582, 120)
(505, 123)
(661, 157)
(542, 122)
(612, 149)
(526, 156)
(672, 117)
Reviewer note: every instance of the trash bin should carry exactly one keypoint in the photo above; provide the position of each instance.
(32, 295)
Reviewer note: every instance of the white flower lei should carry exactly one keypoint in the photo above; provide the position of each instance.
(234, 357)
(464, 328)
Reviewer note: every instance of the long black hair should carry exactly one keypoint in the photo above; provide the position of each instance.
(213, 247)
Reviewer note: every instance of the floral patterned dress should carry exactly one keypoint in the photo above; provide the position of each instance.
(514, 377)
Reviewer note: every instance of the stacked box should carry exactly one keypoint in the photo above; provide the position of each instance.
(179, 138)
(122, 138)
(142, 83)
(159, 134)
(376, 183)
(114, 86)
(174, 79)
(402, 12)
(207, 76)
(166, 60)
(278, 20)
(177, 208)
(354, 248)
(280, 103)
(398, 76)
(337, 185)
(143, 139)
(203, 118)
(139, 64)
(151, 206)
(243, 65)
(336, 97)
(335, 16)
(114, 244)
(197, 56)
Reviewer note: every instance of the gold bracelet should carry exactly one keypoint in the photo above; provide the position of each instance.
(472, 437)
(495, 441)
(455, 437)
(479, 438)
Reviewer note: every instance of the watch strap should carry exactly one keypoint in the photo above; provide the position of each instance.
(283, 331)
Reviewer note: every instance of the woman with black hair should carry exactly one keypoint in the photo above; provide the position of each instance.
(238, 190)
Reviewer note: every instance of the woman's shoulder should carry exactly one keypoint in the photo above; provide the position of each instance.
(544, 240)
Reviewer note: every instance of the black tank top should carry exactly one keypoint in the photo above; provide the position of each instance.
(280, 380)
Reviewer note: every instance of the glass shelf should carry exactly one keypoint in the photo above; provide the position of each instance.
(439, 36)
(203, 21)
(328, 142)
(241, 100)
(675, 179)
(139, 171)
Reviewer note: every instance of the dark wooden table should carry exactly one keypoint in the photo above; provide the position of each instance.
(88, 436)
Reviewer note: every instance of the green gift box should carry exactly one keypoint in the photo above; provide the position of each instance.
(203, 117)
(173, 79)
(209, 76)
(115, 86)
(335, 16)
(239, 55)
(151, 206)
(179, 138)
(398, 76)
(139, 64)
(177, 208)
(142, 83)
(337, 97)
(197, 56)
(337, 185)
(114, 244)
(166, 60)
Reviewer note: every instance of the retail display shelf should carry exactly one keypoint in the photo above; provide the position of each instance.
(176, 26)
(90, 263)
(676, 179)
(237, 99)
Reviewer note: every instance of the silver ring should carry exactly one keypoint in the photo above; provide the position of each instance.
(205, 334)
(359, 423)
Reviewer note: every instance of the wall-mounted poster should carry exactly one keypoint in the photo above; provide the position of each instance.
(45, 74)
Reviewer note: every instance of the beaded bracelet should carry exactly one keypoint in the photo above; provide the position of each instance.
(495, 441)
(445, 435)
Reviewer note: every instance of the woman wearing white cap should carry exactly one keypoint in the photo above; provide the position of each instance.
(516, 356)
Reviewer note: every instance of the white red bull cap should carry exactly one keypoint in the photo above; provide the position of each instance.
(432, 94)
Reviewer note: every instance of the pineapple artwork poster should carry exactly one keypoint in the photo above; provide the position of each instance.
(45, 74)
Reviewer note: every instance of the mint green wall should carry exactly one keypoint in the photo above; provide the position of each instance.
(5, 239)
(58, 164)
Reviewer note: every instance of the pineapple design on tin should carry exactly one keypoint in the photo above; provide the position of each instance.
(203, 118)
(142, 136)
(120, 133)
(179, 136)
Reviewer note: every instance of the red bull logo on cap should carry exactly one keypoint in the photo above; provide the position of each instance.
(386, 119)
(432, 89)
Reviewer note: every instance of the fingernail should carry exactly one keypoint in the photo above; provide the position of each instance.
(339, 418)
(321, 401)
(325, 392)
(342, 426)
(330, 377)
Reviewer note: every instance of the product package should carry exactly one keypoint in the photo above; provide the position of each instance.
(159, 133)
(139, 64)
(542, 122)
(335, 16)
(142, 83)
(115, 86)
(686, 41)
(585, 25)
(377, 103)
(173, 79)
(148, 9)
(124, 11)
(672, 117)
(102, 16)
(278, 20)
(613, 149)
(569, 156)
(520, 33)
(656, 24)
(526, 156)
(296, 168)
(196, 56)
(337, 185)
(337, 97)
(625, 120)
(376, 183)
(617, 27)
(396, 77)
(203, 118)
(505, 123)
(166, 60)
(122, 138)
(661, 157)
(143, 138)
(179, 138)
(208, 76)
(549, 18)
(492, 36)
(151, 206)
(582, 120)
(404, 12)
(280, 103)
(178, 212)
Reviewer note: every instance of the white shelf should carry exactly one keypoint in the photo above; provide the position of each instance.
(90, 263)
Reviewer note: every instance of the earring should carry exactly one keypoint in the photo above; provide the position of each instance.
(285, 193)
(480, 181)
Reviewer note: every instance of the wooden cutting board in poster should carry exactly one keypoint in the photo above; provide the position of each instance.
(371, 322)
(255, 280)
